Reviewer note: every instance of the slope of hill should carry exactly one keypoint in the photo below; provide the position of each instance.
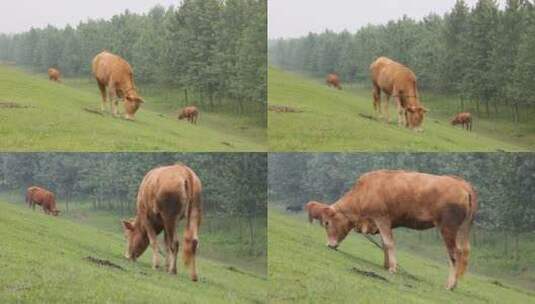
(46, 259)
(317, 118)
(39, 115)
(303, 270)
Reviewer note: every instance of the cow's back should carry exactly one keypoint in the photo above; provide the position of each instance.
(108, 66)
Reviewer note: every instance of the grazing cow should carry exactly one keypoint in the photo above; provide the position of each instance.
(333, 80)
(54, 75)
(191, 113)
(115, 75)
(395, 79)
(166, 195)
(42, 197)
(464, 119)
(392, 199)
(314, 210)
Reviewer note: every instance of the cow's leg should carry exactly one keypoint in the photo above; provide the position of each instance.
(449, 235)
(153, 239)
(386, 108)
(102, 89)
(377, 101)
(113, 99)
(385, 229)
(171, 244)
(400, 109)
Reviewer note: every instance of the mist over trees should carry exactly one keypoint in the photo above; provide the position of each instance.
(505, 183)
(215, 49)
(482, 55)
(234, 184)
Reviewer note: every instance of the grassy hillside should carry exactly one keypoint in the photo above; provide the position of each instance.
(303, 270)
(43, 260)
(328, 120)
(38, 115)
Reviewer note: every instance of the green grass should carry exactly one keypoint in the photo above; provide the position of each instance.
(330, 122)
(52, 118)
(42, 261)
(303, 270)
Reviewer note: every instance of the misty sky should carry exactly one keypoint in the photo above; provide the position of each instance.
(294, 18)
(19, 15)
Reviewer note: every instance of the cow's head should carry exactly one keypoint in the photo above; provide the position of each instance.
(415, 116)
(337, 226)
(136, 240)
(132, 104)
(182, 115)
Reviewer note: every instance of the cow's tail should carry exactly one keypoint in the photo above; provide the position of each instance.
(463, 235)
(28, 200)
(193, 219)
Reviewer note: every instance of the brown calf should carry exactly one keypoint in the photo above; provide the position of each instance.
(54, 75)
(191, 113)
(392, 199)
(42, 197)
(333, 80)
(314, 210)
(166, 195)
(464, 119)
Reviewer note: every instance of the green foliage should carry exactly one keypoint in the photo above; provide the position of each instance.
(303, 270)
(481, 54)
(43, 261)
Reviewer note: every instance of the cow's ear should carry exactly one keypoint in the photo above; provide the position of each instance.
(424, 110)
(127, 225)
(329, 211)
(412, 109)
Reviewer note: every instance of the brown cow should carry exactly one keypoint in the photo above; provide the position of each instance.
(463, 118)
(166, 195)
(395, 79)
(115, 75)
(54, 75)
(314, 210)
(392, 199)
(191, 113)
(42, 197)
(333, 80)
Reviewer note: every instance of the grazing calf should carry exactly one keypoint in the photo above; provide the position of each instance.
(191, 113)
(333, 80)
(395, 79)
(314, 210)
(166, 195)
(115, 78)
(391, 199)
(54, 75)
(42, 197)
(464, 119)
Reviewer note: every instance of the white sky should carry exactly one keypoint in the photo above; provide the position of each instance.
(20, 15)
(294, 18)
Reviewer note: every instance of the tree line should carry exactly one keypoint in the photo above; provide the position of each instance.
(215, 49)
(483, 55)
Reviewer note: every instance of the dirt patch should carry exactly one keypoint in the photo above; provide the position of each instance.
(227, 144)
(101, 262)
(12, 105)
(283, 109)
(367, 116)
(369, 274)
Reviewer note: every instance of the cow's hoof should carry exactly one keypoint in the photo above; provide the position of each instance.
(393, 270)
(194, 278)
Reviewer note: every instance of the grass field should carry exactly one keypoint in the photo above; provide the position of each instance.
(43, 260)
(303, 270)
(328, 120)
(39, 115)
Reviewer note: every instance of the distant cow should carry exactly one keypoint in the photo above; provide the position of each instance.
(42, 197)
(392, 199)
(115, 75)
(395, 79)
(54, 75)
(464, 119)
(166, 195)
(294, 208)
(191, 113)
(333, 80)
(314, 210)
